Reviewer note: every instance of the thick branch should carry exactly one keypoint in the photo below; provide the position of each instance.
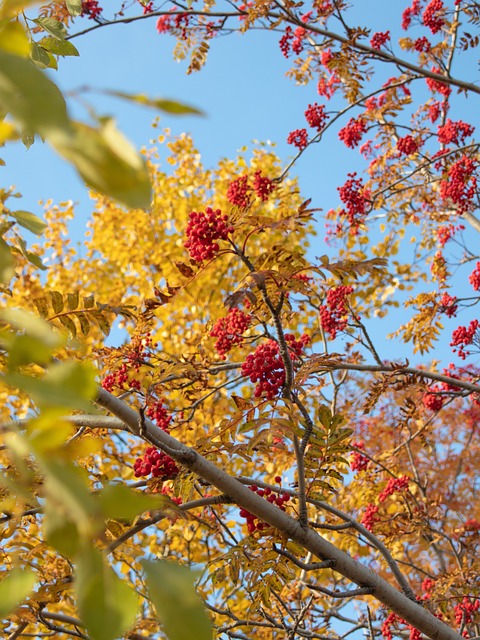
(414, 613)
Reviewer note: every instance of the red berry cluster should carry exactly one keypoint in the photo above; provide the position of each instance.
(203, 230)
(463, 336)
(465, 610)
(230, 329)
(157, 412)
(297, 42)
(432, 17)
(327, 85)
(334, 312)
(91, 9)
(407, 145)
(437, 85)
(471, 525)
(156, 463)
(444, 233)
(119, 380)
(265, 366)
(422, 44)
(379, 39)
(299, 138)
(454, 132)
(413, 10)
(392, 619)
(177, 24)
(461, 185)
(394, 485)
(474, 277)
(316, 116)
(239, 190)
(370, 517)
(356, 198)
(358, 462)
(147, 8)
(436, 108)
(448, 306)
(262, 186)
(352, 132)
(433, 400)
(284, 41)
(167, 491)
(427, 587)
(253, 523)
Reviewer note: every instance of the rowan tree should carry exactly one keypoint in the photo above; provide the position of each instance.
(245, 418)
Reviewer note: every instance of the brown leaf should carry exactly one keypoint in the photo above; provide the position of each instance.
(185, 270)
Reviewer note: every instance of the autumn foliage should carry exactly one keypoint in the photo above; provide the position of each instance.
(278, 390)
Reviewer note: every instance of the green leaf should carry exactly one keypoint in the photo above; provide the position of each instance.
(106, 604)
(59, 47)
(6, 262)
(29, 221)
(179, 608)
(109, 164)
(31, 257)
(168, 106)
(32, 98)
(52, 26)
(39, 56)
(74, 7)
(121, 503)
(14, 589)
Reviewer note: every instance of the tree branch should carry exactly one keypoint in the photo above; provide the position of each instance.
(413, 612)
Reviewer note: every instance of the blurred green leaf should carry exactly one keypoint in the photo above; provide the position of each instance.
(14, 589)
(32, 325)
(178, 606)
(108, 162)
(59, 47)
(32, 98)
(121, 503)
(168, 106)
(49, 431)
(31, 257)
(29, 221)
(106, 604)
(60, 531)
(6, 262)
(70, 385)
(66, 487)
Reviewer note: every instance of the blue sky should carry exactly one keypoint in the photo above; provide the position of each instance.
(242, 89)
